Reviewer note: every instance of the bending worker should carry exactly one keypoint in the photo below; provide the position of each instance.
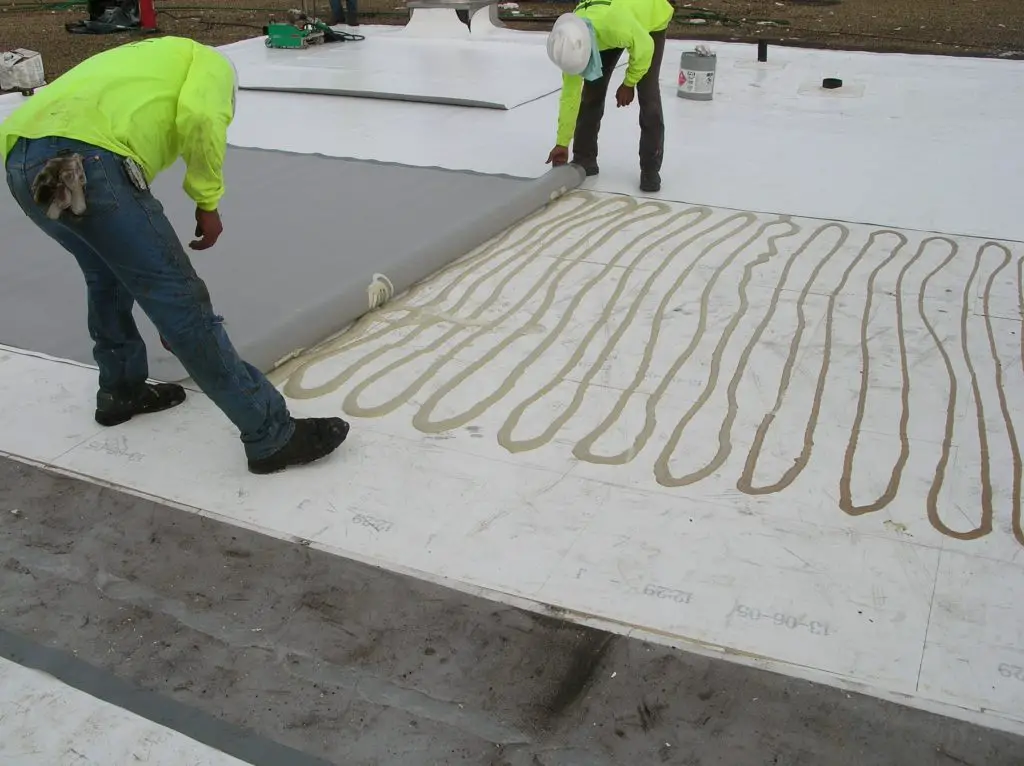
(587, 45)
(80, 156)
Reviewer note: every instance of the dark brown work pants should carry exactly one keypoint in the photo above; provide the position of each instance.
(648, 94)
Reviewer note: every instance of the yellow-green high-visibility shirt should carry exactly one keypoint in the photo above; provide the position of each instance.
(153, 101)
(625, 24)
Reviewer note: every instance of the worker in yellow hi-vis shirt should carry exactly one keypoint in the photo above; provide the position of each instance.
(80, 157)
(587, 45)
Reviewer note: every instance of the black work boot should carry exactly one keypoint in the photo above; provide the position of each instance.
(650, 180)
(115, 408)
(589, 167)
(314, 438)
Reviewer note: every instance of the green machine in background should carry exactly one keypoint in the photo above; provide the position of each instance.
(285, 35)
(303, 29)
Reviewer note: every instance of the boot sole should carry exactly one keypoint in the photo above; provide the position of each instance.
(112, 420)
(108, 421)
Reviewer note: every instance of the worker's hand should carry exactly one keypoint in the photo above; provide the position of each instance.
(558, 156)
(208, 229)
(624, 95)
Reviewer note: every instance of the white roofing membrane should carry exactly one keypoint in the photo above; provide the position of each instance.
(772, 412)
(46, 722)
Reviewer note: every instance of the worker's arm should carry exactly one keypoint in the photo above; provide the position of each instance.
(205, 111)
(568, 108)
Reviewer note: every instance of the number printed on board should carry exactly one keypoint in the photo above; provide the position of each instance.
(783, 620)
(671, 594)
(1006, 670)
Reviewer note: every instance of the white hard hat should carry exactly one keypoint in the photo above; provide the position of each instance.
(569, 44)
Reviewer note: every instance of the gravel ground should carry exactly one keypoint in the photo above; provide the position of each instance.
(954, 27)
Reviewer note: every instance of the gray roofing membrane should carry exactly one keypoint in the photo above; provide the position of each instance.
(304, 235)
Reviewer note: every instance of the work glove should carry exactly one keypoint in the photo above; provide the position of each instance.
(624, 95)
(60, 186)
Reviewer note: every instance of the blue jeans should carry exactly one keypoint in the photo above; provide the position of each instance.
(350, 5)
(128, 252)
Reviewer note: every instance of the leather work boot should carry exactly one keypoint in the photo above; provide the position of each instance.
(115, 408)
(650, 180)
(590, 168)
(314, 438)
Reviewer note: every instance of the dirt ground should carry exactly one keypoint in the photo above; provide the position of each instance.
(953, 27)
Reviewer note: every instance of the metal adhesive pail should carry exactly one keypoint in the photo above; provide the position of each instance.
(697, 76)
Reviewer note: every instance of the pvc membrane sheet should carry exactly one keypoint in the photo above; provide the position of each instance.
(458, 72)
(304, 236)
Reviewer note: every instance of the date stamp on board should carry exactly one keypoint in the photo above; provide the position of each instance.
(783, 620)
(671, 594)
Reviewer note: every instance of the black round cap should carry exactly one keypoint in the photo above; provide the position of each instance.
(831, 83)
